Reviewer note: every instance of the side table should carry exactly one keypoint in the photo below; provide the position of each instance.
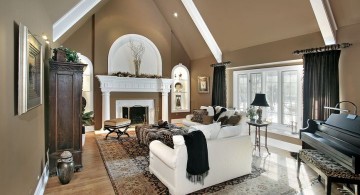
(257, 134)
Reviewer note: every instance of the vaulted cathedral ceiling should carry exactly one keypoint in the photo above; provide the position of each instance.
(238, 24)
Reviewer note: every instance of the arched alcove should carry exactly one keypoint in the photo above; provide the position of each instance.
(88, 86)
(121, 59)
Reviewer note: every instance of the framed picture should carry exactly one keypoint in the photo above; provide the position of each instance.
(30, 71)
(203, 84)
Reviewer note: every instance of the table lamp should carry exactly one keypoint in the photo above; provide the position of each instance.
(259, 100)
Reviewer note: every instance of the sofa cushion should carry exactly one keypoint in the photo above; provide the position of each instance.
(198, 115)
(233, 120)
(206, 132)
(208, 120)
(209, 109)
(213, 128)
(229, 131)
(223, 120)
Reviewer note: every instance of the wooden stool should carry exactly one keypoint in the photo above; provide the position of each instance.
(114, 126)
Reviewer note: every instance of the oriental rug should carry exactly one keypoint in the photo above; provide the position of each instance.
(127, 165)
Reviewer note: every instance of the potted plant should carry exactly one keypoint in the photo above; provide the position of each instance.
(251, 113)
(87, 119)
(63, 54)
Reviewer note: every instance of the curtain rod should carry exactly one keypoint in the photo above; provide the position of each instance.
(221, 64)
(320, 49)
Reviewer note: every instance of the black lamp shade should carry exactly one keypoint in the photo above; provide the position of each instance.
(260, 100)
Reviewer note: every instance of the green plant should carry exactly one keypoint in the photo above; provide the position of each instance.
(250, 112)
(71, 55)
(87, 118)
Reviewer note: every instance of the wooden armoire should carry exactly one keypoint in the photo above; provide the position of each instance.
(65, 96)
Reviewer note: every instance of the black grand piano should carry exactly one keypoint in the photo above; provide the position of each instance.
(338, 137)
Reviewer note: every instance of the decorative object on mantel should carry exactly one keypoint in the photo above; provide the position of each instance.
(65, 167)
(63, 54)
(321, 49)
(137, 52)
(128, 74)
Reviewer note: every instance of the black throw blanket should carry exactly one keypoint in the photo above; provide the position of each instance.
(197, 165)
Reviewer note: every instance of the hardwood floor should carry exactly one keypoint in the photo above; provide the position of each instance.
(93, 178)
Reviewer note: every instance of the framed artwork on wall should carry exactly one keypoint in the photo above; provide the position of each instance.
(30, 71)
(203, 84)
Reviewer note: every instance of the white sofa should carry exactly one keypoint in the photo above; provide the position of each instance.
(226, 130)
(228, 158)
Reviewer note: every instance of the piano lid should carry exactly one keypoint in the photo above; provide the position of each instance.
(341, 121)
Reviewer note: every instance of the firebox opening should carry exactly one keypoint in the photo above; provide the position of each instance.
(137, 114)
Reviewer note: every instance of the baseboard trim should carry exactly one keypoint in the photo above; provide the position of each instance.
(40, 188)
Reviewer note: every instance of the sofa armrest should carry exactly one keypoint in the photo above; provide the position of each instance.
(189, 117)
(166, 154)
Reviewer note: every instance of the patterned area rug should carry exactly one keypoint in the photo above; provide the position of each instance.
(127, 165)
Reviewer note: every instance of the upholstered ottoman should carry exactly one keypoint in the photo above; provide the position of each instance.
(115, 126)
(147, 133)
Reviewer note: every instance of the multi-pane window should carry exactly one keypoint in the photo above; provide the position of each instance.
(255, 87)
(281, 86)
(243, 84)
(272, 91)
(289, 96)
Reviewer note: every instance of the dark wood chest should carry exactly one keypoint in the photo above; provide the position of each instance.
(65, 92)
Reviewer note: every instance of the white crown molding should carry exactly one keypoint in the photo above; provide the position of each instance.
(71, 17)
(204, 30)
(325, 20)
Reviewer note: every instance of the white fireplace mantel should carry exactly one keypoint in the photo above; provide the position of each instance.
(110, 84)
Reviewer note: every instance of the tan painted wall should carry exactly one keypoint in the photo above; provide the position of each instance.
(201, 68)
(349, 65)
(114, 20)
(22, 138)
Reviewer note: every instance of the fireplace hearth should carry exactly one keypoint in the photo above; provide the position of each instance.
(137, 114)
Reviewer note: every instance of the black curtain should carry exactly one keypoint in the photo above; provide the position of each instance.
(321, 84)
(219, 87)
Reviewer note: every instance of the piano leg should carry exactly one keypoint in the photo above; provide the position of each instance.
(298, 165)
(328, 183)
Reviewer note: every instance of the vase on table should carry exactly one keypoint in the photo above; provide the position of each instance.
(137, 67)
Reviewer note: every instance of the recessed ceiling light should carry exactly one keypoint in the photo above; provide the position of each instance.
(44, 37)
(175, 14)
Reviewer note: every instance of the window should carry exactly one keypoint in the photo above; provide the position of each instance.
(282, 87)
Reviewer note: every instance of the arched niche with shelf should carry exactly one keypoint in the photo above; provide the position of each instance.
(180, 93)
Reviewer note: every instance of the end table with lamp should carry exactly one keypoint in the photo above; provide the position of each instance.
(257, 134)
(259, 100)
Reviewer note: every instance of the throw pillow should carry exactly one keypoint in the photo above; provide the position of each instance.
(218, 114)
(198, 115)
(234, 120)
(223, 120)
(167, 139)
(207, 120)
(213, 128)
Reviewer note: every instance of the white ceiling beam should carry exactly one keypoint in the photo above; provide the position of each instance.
(71, 17)
(204, 30)
(325, 20)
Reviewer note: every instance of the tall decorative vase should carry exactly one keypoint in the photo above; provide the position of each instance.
(137, 67)
(65, 167)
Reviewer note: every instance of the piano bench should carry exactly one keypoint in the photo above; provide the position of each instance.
(327, 168)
